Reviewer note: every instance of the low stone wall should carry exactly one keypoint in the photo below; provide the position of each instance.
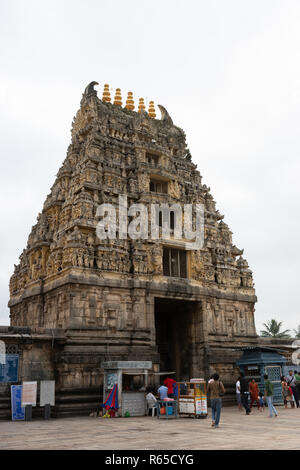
(38, 350)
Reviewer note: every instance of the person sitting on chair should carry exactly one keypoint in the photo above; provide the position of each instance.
(151, 400)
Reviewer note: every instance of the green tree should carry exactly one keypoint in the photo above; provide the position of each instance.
(297, 332)
(273, 330)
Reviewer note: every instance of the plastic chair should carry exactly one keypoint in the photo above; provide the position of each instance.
(151, 406)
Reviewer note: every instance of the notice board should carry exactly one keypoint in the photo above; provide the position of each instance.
(47, 392)
(9, 370)
(17, 411)
(29, 393)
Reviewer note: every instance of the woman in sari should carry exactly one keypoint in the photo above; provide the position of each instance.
(254, 390)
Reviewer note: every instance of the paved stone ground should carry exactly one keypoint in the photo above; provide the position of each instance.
(237, 431)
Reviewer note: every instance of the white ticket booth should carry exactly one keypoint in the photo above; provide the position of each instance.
(132, 380)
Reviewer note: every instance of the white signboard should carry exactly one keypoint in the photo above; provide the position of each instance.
(47, 393)
(186, 405)
(29, 390)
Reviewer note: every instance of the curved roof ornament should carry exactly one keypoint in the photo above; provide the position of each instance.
(90, 89)
(165, 117)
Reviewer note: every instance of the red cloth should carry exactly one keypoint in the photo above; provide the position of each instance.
(168, 382)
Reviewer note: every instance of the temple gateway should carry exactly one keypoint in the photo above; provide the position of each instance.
(123, 298)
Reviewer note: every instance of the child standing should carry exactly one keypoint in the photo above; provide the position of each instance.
(261, 401)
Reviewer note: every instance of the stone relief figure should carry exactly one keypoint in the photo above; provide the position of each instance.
(99, 260)
(218, 320)
(219, 256)
(209, 273)
(49, 266)
(230, 326)
(104, 196)
(155, 259)
(139, 264)
(143, 182)
(132, 183)
(136, 263)
(210, 235)
(242, 322)
(245, 273)
(206, 256)
(66, 258)
(105, 263)
(210, 320)
(85, 256)
(197, 266)
(58, 262)
(210, 203)
(225, 233)
(80, 259)
(174, 189)
(76, 212)
(77, 235)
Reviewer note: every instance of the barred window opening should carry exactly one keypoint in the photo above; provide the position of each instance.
(174, 262)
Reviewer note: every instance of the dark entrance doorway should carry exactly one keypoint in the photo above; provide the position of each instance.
(177, 324)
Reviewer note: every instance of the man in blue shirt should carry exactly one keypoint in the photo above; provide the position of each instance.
(162, 392)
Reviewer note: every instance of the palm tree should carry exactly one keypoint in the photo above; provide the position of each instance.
(273, 330)
(297, 332)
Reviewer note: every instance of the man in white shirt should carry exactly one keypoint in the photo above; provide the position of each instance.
(238, 394)
(151, 401)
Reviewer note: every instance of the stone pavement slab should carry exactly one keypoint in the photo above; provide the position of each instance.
(237, 432)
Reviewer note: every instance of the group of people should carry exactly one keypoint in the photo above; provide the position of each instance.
(248, 393)
(246, 390)
(290, 385)
(291, 389)
(167, 390)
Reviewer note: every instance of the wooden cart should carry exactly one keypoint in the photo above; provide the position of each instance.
(192, 398)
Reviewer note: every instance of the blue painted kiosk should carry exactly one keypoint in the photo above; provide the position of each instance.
(257, 361)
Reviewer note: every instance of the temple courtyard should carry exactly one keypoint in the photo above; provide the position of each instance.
(236, 432)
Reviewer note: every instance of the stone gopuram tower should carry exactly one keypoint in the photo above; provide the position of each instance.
(126, 299)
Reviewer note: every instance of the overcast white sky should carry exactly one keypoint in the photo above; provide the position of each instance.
(227, 71)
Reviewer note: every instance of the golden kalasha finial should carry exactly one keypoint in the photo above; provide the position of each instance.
(151, 110)
(142, 106)
(118, 97)
(130, 102)
(106, 94)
